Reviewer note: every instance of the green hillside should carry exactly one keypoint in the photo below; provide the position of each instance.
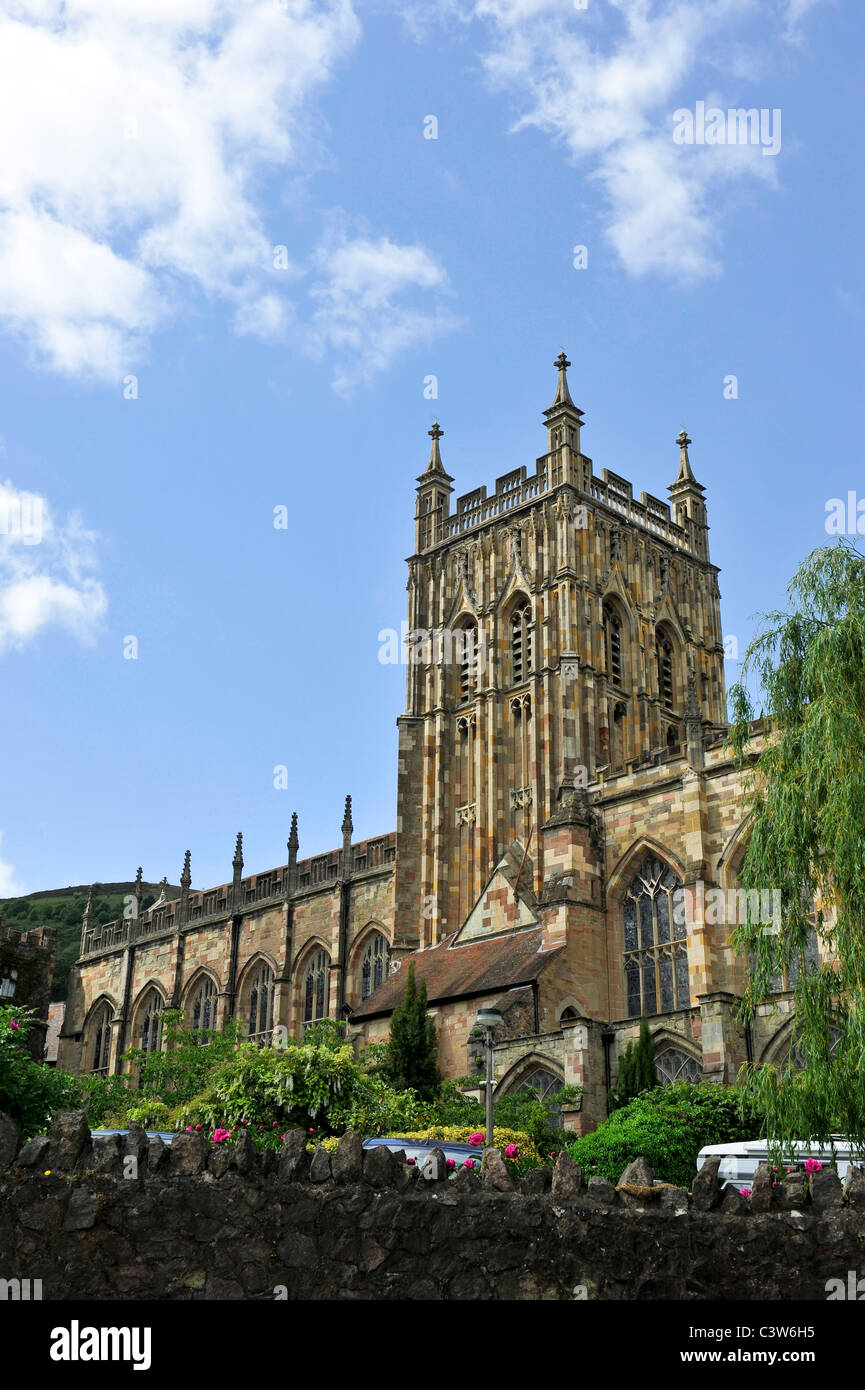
(63, 908)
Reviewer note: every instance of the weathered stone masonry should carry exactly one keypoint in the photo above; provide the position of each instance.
(236, 1224)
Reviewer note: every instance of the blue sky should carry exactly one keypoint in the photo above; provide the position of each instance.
(153, 161)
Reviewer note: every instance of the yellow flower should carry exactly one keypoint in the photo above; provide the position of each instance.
(48, 1172)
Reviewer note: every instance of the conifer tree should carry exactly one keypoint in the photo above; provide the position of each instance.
(413, 1051)
(806, 797)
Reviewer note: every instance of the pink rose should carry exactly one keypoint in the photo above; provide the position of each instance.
(745, 1191)
(476, 1139)
(511, 1151)
(275, 1125)
(198, 1126)
(260, 1128)
(813, 1165)
(282, 1137)
(450, 1163)
(409, 1160)
(469, 1162)
(14, 1025)
(219, 1135)
(311, 1130)
(189, 1129)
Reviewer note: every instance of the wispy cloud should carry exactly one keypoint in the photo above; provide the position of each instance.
(47, 574)
(603, 81)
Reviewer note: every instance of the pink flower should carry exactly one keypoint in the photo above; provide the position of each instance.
(476, 1139)
(276, 1125)
(14, 1025)
(552, 1153)
(469, 1163)
(450, 1163)
(189, 1129)
(260, 1128)
(219, 1135)
(774, 1167)
(813, 1165)
(233, 1128)
(311, 1130)
(198, 1126)
(774, 1184)
(282, 1137)
(511, 1151)
(409, 1160)
(745, 1191)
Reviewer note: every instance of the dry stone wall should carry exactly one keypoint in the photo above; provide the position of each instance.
(129, 1218)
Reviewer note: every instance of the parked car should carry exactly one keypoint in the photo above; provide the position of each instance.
(420, 1149)
(739, 1161)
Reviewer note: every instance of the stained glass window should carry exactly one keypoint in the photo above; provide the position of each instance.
(656, 949)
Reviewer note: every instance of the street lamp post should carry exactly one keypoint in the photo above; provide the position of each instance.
(489, 1019)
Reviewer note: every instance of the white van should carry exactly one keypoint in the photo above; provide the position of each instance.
(739, 1161)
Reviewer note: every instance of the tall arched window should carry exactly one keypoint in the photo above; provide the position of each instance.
(664, 655)
(613, 644)
(374, 964)
(316, 988)
(674, 1064)
(102, 1041)
(544, 1085)
(656, 948)
(521, 641)
(151, 1022)
(467, 659)
(261, 1005)
(204, 1008)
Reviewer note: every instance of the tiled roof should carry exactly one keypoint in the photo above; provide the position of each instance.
(452, 972)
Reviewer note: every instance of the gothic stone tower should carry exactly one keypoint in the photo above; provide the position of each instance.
(560, 633)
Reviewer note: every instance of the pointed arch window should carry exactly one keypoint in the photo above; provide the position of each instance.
(664, 655)
(204, 1009)
(521, 641)
(656, 947)
(316, 988)
(467, 659)
(374, 967)
(544, 1084)
(102, 1042)
(613, 644)
(261, 1005)
(674, 1064)
(151, 1022)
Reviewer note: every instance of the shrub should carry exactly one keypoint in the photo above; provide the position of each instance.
(668, 1126)
(30, 1093)
(412, 1062)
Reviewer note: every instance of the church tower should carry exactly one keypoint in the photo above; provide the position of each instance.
(561, 634)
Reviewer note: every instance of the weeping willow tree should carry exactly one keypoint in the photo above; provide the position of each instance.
(805, 671)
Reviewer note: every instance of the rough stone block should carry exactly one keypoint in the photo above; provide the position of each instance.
(380, 1167)
(733, 1202)
(537, 1181)
(293, 1160)
(639, 1173)
(854, 1188)
(10, 1142)
(494, 1172)
(347, 1162)
(705, 1189)
(35, 1153)
(825, 1188)
(188, 1153)
(319, 1168)
(105, 1153)
(69, 1137)
(244, 1155)
(598, 1190)
(762, 1191)
(567, 1176)
(158, 1155)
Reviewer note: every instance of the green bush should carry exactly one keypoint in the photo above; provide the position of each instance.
(668, 1126)
(30, 1093)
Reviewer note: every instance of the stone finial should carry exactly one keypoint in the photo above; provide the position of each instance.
(293, 840)
(435, 465)
(563, 395)
(347, 826)
(138, 890)
(186, 876)
(237, 861)
(684, 475)
(88, 908)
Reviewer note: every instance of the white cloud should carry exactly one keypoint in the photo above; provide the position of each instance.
(142, 129)
(365, 312)
(9, 885)
(604, 83)
(46, 572)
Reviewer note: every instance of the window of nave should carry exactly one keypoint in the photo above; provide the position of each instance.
(656, 949)
(316, 988)
(101, 1041)
(666, 670)
(675, 1064)
(466, 654)
(613, 645)
(204, 1008)
(150, 1027)
(261, 1005)
(374, 964)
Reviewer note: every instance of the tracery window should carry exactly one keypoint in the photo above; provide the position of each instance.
(316, 988)
(544, 1084)
(521, 641)
(467, 659)
(613, 644)
(261, 1005)
(656, 949)
(204, 1008)
(374, 966)
(151, 1022)
(674, 1064)
(102, 1043)
(665, 670)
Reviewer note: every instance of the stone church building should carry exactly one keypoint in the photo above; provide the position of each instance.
(566, 814)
